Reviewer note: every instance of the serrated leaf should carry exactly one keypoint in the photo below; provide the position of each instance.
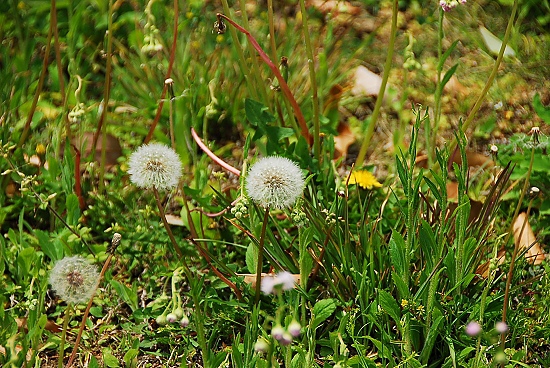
(257, 113)
(322, 310)
(390, 306)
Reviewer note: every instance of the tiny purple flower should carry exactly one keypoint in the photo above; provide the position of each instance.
(473, 328)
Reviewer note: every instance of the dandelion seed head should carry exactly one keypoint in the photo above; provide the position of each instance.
(74, 279)
(275, 182)
(155, 165)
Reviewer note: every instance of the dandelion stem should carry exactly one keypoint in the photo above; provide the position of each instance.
(111, 250)
(66, 319)
(260, 257)
(211, 154)
(166, 224)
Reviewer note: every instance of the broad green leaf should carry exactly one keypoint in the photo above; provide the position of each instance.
(322, 310)
(109, 359)
(53, 248)
(390, 306)
(397, 253)
(128, 295)
(130, 358)
(73, 209)
(447, 76)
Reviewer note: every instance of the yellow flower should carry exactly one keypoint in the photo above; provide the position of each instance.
(364, 179)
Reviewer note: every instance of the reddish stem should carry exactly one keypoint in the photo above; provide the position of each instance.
(275, 70)
(211, 154)
(168, 73)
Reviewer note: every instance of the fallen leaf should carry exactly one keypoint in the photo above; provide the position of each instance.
(365, 82)
(526, 240)
(113, 150)
(455, 88)
(473, 158)
(250, 278)
(343, 140)
(335, 7)
(174, 220)
(493, 43)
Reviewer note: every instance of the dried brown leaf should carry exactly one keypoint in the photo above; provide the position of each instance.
(343, 140)
(526, 240)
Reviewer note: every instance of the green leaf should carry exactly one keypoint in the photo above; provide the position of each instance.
(447, 77)
(109, 359)
(128, 295)
(390, 306)
(397, 253)
(73, 209)
(252, 258)
(53, 248)
(542, 111)
(130, 358)
(446, 55)
(257, 113)
(322, 310)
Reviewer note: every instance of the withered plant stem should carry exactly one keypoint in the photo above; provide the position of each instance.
(277, 73)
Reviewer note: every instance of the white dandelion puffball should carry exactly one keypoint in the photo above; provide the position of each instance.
(74, 279)
(275, 182)
(155, 165)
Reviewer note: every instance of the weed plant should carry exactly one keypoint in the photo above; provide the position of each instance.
(194, 150)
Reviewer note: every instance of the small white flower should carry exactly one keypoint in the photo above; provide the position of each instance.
(155, 165)
(294, 328)
(275, 182)
(277, 332)
(261, 346)
(74, 279)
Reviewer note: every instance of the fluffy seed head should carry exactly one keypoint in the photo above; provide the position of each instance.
(74, 279)
(155, 165)
(275, 182)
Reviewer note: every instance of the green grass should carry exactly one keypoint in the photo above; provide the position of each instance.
(390, 276)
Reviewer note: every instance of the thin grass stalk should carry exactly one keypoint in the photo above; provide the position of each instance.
(260, 258)
(313, 81)
(243, 65)
(380, 98)
(168, 74)
(111, 251)
(431, 135)
(491, 78)
(66, 320)
(516, 245)
(40, 85)
(272, 44)
(53, 19)
(284, 86)
(260, 84)
(101, 126)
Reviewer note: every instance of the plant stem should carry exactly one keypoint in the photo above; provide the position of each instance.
(272, 43)
(431, 136)
(40, 85)
(66, 320)
(168, 73)
(381, 92)
(284, 86)
(260, 257)
(313, 80)
(166, 224)
(111, 251)
(243, 66)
